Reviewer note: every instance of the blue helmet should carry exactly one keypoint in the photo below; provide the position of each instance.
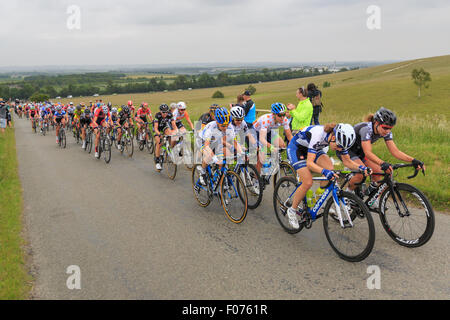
(278, 107)
(222, 116)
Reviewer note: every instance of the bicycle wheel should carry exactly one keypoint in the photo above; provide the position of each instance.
(89, 142)
(107, 149)
(188, 158)
(128, 145)
(201, 192)
(170, 166)
(62, 134)
(351, 243)
(43, 130)
(253, 185)
(150, 144)
(286, 170)
(282, 201)
(409, 218)
(233, 197)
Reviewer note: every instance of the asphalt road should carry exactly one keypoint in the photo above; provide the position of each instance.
(135, 234)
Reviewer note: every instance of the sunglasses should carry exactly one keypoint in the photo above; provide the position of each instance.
(223, 125)
(386, 127)
(281, 115)
(238, 119)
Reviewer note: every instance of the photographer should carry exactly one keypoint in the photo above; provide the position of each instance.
(315, 95)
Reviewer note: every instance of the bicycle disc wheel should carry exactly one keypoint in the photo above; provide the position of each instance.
(282, 201)
(414, 225)
(351, 243)
(253, 185)
(201, 192)
(107, 149)
(233, 197)
(170, 166)
(286, 170)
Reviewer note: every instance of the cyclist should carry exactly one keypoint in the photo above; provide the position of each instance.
(44, 115)
(124, 122)
(60, 118)
(85, 120)
(163, 120)
(264, 127)
(179, 114)
(143, 117)
(306, 154)
(33, 115)
(102, 117)
(376, 127)
(239, 126)
(209, 116)
(131, 107)
(218, 138)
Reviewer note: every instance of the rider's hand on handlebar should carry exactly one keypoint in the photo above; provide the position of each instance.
(387, 167)
(330, 174)
(419, 165)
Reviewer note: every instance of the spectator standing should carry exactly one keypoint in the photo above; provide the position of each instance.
(315, 96)
(302, 114)
(3, 116)
(249, 109)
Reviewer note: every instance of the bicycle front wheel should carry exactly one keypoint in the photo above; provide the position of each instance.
(128, 145)
(63, 139)
(282, 201)
(107, 149)
(286, 170)
(233, 197)
(201, 191)
(171, 167)
(89, 142)
(150, 144)
(407, 215)
(355, 240)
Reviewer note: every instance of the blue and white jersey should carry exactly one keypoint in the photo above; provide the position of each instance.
(314, 138)
(43, 111)
(60, 114)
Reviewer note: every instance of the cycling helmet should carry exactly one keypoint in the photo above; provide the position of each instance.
(99, 104)
(57, 108)
(105, 109)
(78, 107)
(173, 105)
(213, 107)
(145, 104)
(125, 109)
(278, 107)
(130, 103)
(87, 111)
(109, 104)
(237, 112)
(71, 103)
(114, 110)
(181, 105)
(222, 116)
(345, 135)
(164, 108)
(385, 116)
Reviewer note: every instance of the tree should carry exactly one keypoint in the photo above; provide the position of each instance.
(39, 97)
(326, 84)
(218, 95)
(251, 89)
(421, 78)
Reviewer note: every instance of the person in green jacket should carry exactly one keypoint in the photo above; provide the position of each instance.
(302, 114)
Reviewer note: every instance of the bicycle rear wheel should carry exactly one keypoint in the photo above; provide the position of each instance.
(150, 144)
(233, 197)
(62, 134)
(253, 185)
(282, 201)
(286, 170)
(89, 142)
(201, 192)
(351, 243)
(128, 145)
(411, 224)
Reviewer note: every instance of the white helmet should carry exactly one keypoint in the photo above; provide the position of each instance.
(345, 135)
(173, 105)
(237, 112)
(181, 105)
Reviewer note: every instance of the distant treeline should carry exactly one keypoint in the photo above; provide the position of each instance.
(88, 84)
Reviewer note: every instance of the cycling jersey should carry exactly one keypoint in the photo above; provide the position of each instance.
(163, 123)
(267, 122)
(143, 113)
(212, 133)
(205, 118)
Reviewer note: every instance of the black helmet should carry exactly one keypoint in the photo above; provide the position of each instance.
(109, 104)
(385, 116)
(125, 109)
(164, 108)
(78, 107)
(87, 111)
(213, 107)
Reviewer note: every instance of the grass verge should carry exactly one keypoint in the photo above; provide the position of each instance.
(15, 283)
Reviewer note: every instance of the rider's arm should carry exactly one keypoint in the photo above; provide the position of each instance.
(367, 148)
(396, 152)
(189, 120)
(349, 163)
(262, 138)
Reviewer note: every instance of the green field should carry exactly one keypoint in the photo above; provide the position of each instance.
(14, 280)
(422, 129)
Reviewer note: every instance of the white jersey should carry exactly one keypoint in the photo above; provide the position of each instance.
(211, 132)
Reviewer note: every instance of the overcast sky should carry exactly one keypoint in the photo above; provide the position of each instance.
(34, 33)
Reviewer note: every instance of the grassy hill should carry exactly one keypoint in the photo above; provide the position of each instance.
(422, 129)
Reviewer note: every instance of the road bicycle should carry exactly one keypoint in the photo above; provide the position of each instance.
(226, 185)
(183, 150)
(348, 224)
(145, 139)
(62, 136)
(167, 155)
(405, 212)
(126, 141)
(89, 139)
(104, 145)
